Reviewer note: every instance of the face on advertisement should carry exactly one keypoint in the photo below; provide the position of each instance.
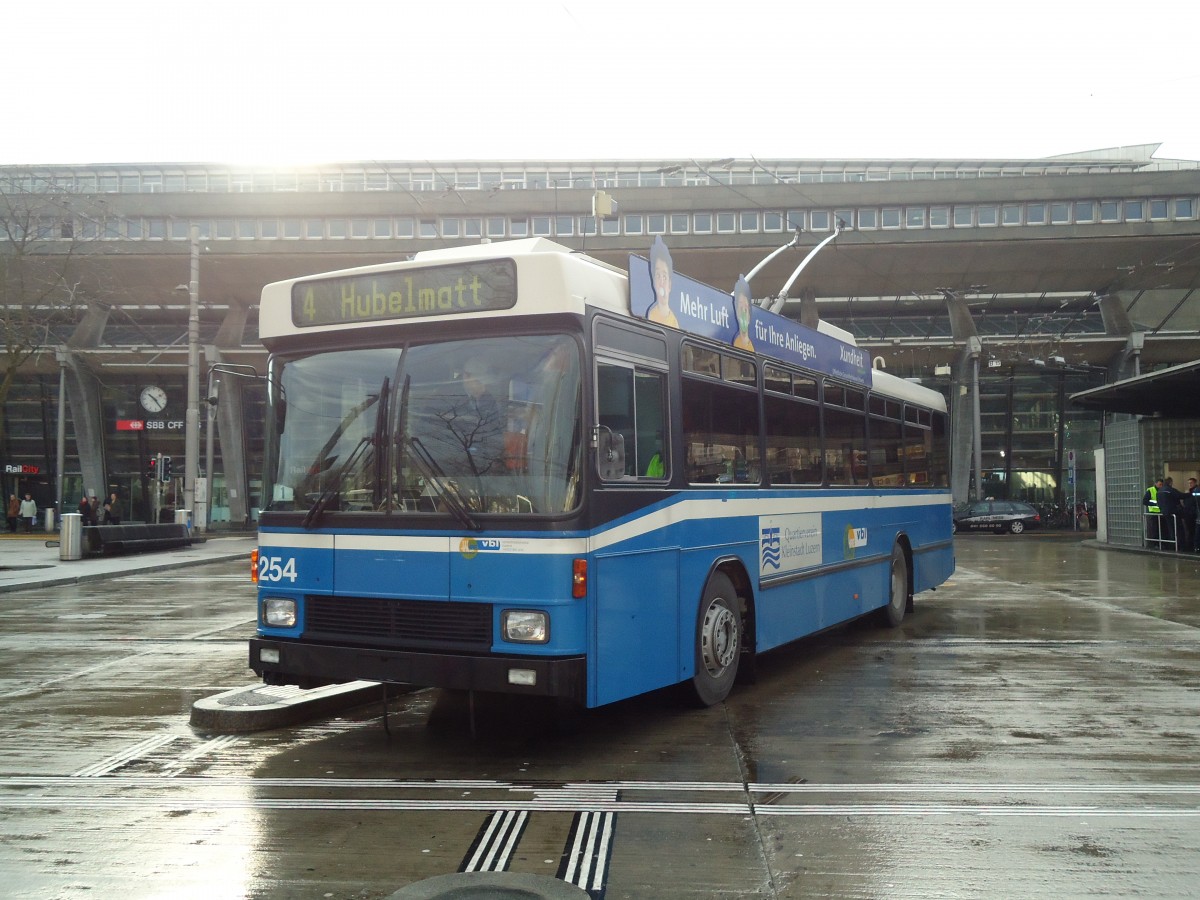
(662, 281)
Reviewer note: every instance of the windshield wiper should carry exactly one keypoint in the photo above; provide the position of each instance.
(334, 484)
(445, 489)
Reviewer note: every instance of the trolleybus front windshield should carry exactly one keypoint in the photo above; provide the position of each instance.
(462, 427)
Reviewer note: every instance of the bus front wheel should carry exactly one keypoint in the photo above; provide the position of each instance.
(718, 641)
(898, 593)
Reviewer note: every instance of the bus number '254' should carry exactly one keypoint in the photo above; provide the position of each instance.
(276, 568)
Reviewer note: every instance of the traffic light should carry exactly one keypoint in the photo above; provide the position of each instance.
(152, 469)
(165, 474)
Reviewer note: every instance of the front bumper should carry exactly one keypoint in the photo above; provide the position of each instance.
(312, 664)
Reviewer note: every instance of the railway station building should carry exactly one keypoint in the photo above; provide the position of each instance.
(1008, 284)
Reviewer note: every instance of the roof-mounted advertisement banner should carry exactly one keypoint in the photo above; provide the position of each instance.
(659, 294)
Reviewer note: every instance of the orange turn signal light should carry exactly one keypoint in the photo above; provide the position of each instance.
(579, 578)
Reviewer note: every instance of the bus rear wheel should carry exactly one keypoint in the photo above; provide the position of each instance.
(898, 593)
(718, 641)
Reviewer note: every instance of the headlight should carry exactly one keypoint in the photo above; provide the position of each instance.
(279, 612)
(525, 626)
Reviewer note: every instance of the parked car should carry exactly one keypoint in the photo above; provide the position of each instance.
(996, 515)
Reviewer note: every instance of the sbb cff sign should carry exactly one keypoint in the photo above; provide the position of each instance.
(150, 424)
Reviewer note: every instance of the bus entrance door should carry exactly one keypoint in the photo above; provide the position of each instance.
(637, 621)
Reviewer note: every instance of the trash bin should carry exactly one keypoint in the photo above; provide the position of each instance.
(184, 517)
(70, 542)
(49, 519)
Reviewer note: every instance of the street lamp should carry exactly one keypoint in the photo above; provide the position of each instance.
(191, 444)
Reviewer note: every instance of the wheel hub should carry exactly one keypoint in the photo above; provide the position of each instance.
(719, 639)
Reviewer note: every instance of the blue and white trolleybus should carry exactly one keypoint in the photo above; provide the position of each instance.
(512, 467)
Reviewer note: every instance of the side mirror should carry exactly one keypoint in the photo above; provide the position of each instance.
(610, 454)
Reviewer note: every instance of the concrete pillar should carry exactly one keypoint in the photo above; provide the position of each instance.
(83, 397)
(230, 419)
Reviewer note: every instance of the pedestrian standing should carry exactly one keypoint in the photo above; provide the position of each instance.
(1170, 500)
(1153, 510)
(29, 512)
(1194, 493)
(14, 512)
(112, 515)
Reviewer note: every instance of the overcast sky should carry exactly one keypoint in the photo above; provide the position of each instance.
(256, 81)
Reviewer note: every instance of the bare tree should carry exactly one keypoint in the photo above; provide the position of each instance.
(40, 294)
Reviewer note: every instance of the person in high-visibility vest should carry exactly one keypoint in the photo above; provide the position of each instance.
(1150, 502)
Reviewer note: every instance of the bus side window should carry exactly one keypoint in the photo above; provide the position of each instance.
(631, 406)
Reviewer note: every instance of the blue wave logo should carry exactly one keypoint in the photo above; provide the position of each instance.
(771, 550)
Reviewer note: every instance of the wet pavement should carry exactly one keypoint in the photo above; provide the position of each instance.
(1031, 730)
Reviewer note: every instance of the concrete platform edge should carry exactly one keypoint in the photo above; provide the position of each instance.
(210, 716)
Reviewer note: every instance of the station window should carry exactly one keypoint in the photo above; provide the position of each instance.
(914, 217)
(1158, 210)
(868, 218)
(495, 226)
(314, 229)
(679, 223)
(702, 223)
(473, 228)
(1134, 211)
(1185, 208)
(772, 221)
(610, 226)
(360, 228)
(451, 228)
(338, 229)
(1010, 214)
(964, 216)
(1085, 211)
(656, 223)
(891, 217)
(519, 228)
(818, 220)
(427, 228)
(748, 221)
(846, 216)
(541, 226)
(633, 224)
(404, 228)
(726, 222)
(1110, 211)
(1060, 213)
(988, 216)
(1035, 214)
(939, 217)
(795, 219)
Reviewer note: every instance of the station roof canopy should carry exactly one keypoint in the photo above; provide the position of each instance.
(1172, 393)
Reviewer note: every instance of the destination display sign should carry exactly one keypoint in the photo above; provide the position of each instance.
(658, 294)
(405, 294)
